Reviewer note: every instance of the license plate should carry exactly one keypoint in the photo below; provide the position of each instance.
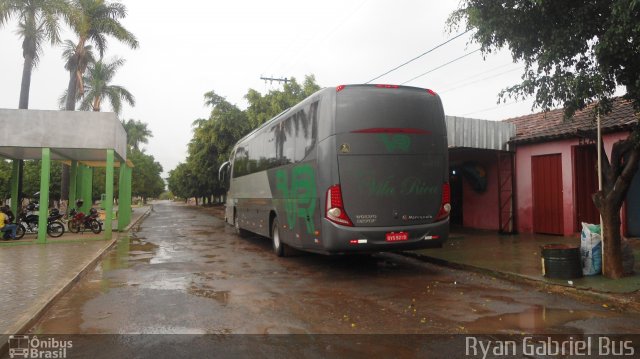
(397, 236)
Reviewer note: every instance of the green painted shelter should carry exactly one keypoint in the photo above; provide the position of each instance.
(82, 139)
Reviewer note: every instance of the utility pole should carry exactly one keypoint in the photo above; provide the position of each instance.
(271, 79)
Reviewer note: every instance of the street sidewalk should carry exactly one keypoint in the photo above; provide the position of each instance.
(35, 275)
(518, 258)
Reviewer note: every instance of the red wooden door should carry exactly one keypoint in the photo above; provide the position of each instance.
(547, 194)
(585, 179)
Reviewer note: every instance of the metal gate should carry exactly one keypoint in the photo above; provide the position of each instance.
(547, 194)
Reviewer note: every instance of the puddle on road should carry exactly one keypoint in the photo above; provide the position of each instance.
(221, 296)
(535, 320)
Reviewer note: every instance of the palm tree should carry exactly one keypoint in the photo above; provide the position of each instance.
(98, 87)
(38, 21)
(137, 133)
(69, 55)
(93, 21)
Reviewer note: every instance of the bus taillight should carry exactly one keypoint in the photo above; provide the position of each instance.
(334, 210)
(384, 86)
(445, 206)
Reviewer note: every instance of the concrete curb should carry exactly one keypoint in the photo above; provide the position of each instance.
(30, 319)
(577, 293)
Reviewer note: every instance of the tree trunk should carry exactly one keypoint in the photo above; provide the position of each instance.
(69, 106)
(617, 175)
(612, 244)
(25, 88)
(71, 90)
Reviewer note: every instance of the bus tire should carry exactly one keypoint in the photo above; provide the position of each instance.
(278, 246)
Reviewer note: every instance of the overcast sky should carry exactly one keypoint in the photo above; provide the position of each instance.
(193, 46)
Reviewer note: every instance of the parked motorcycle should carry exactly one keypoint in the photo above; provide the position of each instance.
(81, 222)
(28, 222)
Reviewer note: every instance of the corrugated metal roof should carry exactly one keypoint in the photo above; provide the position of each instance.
(481, 134)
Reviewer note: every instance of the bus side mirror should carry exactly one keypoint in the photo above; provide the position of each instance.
(223, 174)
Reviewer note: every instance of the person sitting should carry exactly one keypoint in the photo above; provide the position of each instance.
(6, 225)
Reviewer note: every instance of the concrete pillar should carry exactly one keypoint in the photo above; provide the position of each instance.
(15, 180)
(45, 171)
(124, 197)
(73, 185)
(108, 205)
(87, 188)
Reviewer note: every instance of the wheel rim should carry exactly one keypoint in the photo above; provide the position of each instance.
(74, 227)
(276, 237)
(95, 227)
(56, 229)
(20, 232)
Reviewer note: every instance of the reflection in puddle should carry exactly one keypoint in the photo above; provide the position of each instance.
(221, 296)
(537, 320)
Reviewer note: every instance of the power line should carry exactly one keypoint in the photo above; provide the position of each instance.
(467, 78)
(441, 66)
(465, 84)
(502, 105)
(419, 56)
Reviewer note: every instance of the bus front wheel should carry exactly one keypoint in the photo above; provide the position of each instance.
(278, 246)
(236, 224)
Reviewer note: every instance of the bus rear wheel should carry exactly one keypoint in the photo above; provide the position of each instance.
(278, 246)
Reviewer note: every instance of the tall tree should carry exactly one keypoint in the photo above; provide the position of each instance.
(98, 87)
(69, 55)
(38, 21)
(137, 133)
(92, 21)
(576, 52)
(264, 107)
(145, 178)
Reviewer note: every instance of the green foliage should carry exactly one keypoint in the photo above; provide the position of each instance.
(146, 181)
(92, 21)
(214, 137)
(31, 179)
(182, 182)
(211, 143)
(137, 133)
(262, 108)
(98, 87)
(575, 52)
(38, 21)
(5, 179)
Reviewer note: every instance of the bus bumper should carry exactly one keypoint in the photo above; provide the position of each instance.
(339, 239)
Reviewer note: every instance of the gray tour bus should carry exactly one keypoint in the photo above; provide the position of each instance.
(353, 168)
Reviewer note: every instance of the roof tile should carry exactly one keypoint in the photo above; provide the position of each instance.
(545, 126)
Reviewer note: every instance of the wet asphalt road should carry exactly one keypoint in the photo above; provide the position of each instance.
(184, 272)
